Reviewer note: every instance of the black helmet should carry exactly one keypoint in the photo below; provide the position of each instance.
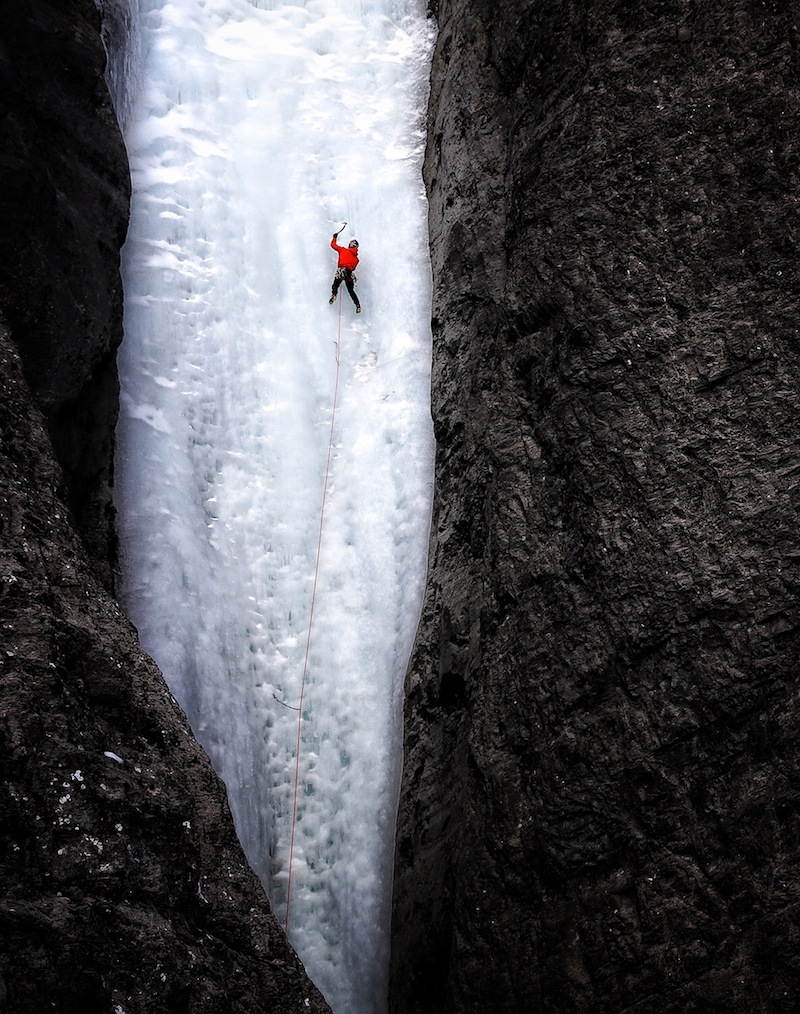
(353, 242)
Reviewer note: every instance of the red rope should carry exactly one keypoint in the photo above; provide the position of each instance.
(310, 622)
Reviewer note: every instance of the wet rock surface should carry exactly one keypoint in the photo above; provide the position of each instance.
(600, 807)
(124, 888)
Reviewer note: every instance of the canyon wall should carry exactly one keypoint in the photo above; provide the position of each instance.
(600, 808)
(64, 189)
(600, 803)
(123, 884)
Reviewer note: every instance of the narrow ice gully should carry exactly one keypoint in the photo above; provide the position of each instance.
(257, 130)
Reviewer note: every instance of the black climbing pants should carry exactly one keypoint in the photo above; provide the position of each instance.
(345, 275)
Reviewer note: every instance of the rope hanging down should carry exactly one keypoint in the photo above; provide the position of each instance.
(310, 623)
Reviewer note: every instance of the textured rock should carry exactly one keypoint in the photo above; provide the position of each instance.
(123, 881)
(601, 788)
(123, 885)
(64, 188)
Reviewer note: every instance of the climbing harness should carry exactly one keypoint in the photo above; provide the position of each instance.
(342, 273)
(310, 623)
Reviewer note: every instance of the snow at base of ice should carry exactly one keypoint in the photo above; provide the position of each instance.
(259, 129)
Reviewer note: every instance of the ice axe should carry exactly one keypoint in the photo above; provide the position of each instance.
(336, 234)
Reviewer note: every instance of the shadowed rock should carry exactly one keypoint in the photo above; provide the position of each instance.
(600, 792)
(64, 188)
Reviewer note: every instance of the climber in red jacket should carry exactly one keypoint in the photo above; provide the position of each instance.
(348, 259)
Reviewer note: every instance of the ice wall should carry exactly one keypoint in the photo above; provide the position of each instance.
(259, 128)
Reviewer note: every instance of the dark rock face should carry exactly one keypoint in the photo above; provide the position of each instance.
(123, 885)
(601, 799)
(64, 187)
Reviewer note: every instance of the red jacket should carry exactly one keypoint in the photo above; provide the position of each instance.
(348, 258)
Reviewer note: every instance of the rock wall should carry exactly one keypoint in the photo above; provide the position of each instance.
(123, 885)
(600, 808)
(64, 187)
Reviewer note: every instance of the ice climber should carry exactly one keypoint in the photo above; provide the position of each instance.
(348, 259)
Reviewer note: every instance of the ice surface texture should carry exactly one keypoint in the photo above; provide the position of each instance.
(258, 130)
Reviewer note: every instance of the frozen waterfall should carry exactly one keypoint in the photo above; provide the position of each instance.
(260, 127)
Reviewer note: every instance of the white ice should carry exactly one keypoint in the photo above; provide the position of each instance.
(258, 130)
